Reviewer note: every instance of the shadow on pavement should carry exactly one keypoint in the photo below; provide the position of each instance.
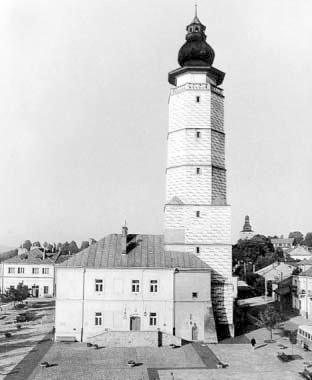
(26, 366)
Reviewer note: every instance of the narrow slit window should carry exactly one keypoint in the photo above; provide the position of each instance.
(198, 134)
(197, 214)
(197, 250)
(198, 171)
(197, 99)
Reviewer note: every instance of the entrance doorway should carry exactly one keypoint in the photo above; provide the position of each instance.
(35, 291)
(135, 323)
(195, 332)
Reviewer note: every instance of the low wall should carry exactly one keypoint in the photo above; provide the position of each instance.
(133, 339)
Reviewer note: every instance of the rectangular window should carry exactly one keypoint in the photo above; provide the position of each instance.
(194, 295)
(198, 171)
(198, 134)
(11, 270)
(197, 99)
(99, 285)
(154, 286)
(35, 270)
(135, 286)
(98, 319)
(20, 270)
(153, 319)
(197, 250)
(45, 270)
(197, 214)
(45, 290)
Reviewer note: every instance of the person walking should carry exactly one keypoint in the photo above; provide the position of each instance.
(253, 343)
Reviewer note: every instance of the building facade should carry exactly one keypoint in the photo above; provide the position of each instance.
(283, 243)
(197, 216)
(302, 293)
(127, 283)
(32, 269)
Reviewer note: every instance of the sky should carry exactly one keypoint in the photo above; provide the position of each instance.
(84, 113)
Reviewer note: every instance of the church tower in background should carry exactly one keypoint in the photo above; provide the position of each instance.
(197, 216)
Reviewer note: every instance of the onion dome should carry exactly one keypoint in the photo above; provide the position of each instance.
(196, 51)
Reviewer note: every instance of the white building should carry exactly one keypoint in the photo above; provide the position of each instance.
(302, 293)
(283, 243)
(197, 216)
(128, 283)
(300, 253)
(32, 269)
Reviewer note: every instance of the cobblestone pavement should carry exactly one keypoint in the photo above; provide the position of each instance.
(246, 363)
(20, 353)
(75, 361)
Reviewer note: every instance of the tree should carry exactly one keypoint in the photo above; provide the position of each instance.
(249, 251)
(72, 247)
(27, 244)
(18, 294)
(298, 237)
(308, 239)
(36, 244)
(65, 248)
(269, 318)
(84, 245)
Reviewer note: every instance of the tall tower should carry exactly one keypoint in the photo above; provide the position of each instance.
(247, 232)
(197, 217)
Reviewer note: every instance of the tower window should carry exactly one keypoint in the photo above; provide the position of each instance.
(194, 295)
(197, 99)
(198, 171)
(197, 214)
(198, 134)
(197, 250)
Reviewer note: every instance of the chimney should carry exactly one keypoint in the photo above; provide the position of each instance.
(43, 255)
(124, 239)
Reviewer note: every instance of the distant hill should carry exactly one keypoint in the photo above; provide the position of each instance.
(8, 254)
(4, 248)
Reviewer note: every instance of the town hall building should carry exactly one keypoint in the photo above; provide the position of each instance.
(178, 284)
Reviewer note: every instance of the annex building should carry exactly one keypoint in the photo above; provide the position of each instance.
(181, 283)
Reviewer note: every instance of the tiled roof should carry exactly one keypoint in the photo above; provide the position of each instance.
(306, 261)
(300, 251)
(282, 241)
(307, 273)
(32, 257)
(143, 251)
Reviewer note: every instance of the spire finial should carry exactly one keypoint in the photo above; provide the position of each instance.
(195, 9)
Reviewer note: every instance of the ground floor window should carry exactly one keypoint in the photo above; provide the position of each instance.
(153, 319)
(98, 319)
(45, 290)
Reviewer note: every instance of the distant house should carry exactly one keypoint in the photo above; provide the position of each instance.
(305, 264)
(302, 293)
(276, 272)
(284, 243)
(33, 269)
(300, 253)
(128, 283)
